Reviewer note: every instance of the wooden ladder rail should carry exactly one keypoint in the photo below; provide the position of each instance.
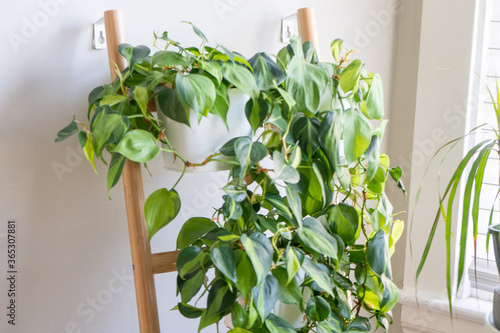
(144, 263)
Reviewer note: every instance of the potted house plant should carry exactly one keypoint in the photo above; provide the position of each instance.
(472, 170)
(305, 220)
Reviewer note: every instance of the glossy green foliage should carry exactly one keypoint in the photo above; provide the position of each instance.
(298, 213)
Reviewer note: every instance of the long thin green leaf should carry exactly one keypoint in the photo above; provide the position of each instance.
(476, 176)
(453, 143)
(432, 232)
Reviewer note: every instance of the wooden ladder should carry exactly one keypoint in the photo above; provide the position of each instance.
(144, 263)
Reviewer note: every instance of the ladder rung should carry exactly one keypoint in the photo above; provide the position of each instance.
(164, 262)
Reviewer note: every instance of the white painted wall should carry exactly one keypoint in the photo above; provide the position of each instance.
(73, 253)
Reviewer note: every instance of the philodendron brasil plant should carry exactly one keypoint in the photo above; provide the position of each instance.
(305, 220)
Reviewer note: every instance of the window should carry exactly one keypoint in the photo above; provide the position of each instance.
(483, 274)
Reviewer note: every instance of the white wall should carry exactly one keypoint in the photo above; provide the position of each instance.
(73, 253)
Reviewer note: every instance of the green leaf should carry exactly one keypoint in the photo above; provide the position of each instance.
(276, 324)
(357, 135)
(349, 78)
(245, 274)
(193, 229)
(197, 31)
(382, 215)
(377, 253)
(133, 54)
(170, 105)
(221, 104)
(265, 296)
(96, 94)
(115, 170)
(390, 295)
(315, 236)
(295, 157)
(290, 102)
(236, 189)
(359, 325)
(345, 221)
(212, 68)
(296, 46)
(138, 145)
(330, 133)
(476, 175)
(318, 275)
(306, 84)
(289, 293)
(318, 308)
(67, 131)
(189, 311)
(271, 139)
(220, 298)
(372, 155)
(196, 91)
(161, 207)
(284, 57)
(260, 251)
(284, 171)
(277, 202)
(189, 260)
(341, 301)
(231, 209)
(207, 320)
(88, 147)
(169, 58)
(248, 153)
(294, 259)
(295, 204)
(223, 259)
(239, 316)
(238, 330)
(396, 174)
(228, 148)
(113, 100)
(190, 286)
(310, 54)
(331, 325)
(305, 132)
(377, 184)
(267, 73)
(374, 107)
(256, 112)
(276, 118)
(336, 47)
(452, 185)
(140, 95)
(241, 77)
(317, 189)
(110, 128)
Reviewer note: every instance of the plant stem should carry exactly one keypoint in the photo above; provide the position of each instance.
(182, 175)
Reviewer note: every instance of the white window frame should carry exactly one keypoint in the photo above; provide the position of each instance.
(482, 275)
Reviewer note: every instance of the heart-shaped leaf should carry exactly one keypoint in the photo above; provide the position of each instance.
(193, 229)
(138, 145)
(161, 207)
(223, 259)
(196, 91)
(260, 251)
